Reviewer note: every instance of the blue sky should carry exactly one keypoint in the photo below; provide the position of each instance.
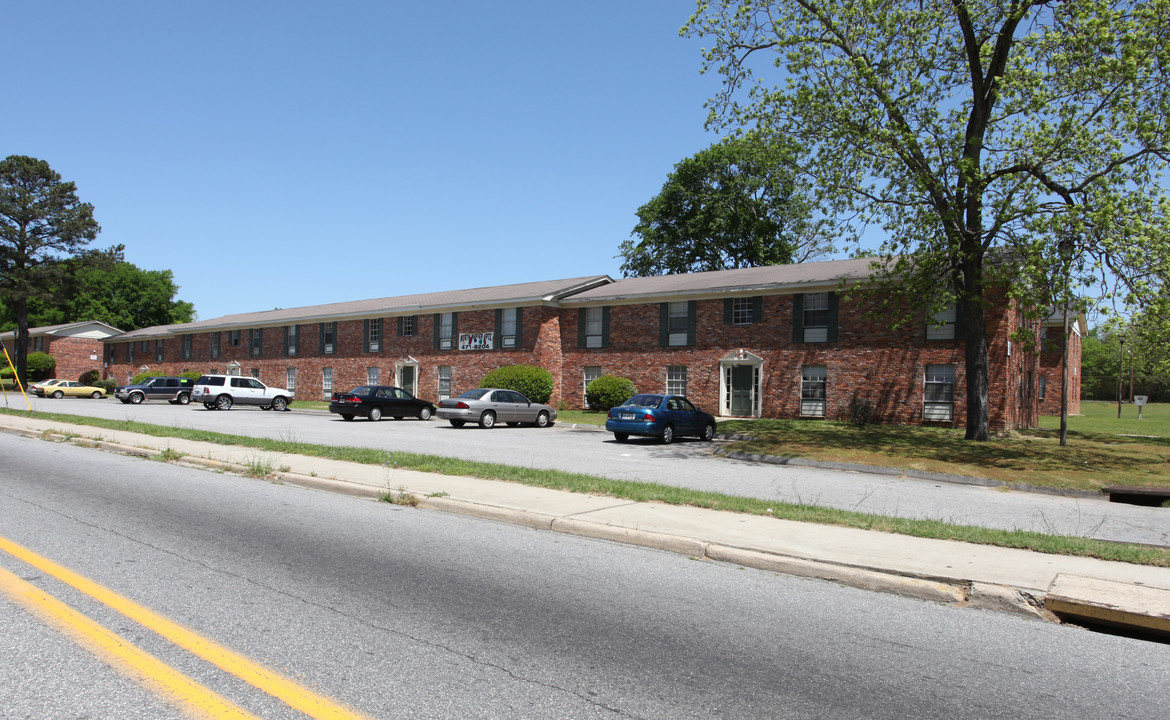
(281, 154)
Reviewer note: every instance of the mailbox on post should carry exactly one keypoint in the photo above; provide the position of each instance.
(1140, 401)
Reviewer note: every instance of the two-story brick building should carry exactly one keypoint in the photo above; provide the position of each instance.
(778, 341)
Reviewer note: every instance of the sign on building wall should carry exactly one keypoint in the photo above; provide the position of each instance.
(475, 341)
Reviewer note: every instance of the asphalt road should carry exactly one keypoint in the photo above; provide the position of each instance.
(687, 463)
(402, 613)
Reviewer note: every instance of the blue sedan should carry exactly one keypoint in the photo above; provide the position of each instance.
(662, 416)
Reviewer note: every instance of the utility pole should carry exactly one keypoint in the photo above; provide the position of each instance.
(1120, 370)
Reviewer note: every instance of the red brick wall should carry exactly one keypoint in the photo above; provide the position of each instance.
(73, 355)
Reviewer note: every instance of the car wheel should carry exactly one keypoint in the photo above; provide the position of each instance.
(136, 398)
(456, 423)
(184, 398)
(58, 394)
(223, 402)
(487, 421)
(96, 395)
(424, 414)
(709, 432)
(279, 404)
(668, 435)
(542, 419)
(621, 437)
(375, 414)
(209, 406)
(347, 416)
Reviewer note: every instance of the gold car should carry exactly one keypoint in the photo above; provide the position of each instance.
(70, 388)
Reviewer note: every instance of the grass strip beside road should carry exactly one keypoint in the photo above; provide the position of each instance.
(648, 492)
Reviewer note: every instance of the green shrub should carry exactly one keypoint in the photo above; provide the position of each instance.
(535, 383)
(609, 391)
(108, 386)
(89, 377)
(140, 377)
(40, 366)
(859, 411)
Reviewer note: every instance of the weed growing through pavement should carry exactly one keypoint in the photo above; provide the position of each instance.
(401, 497)
(169, 455)
(257, 468)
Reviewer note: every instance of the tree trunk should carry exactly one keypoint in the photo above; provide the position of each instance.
(20, 341)
(975, 356)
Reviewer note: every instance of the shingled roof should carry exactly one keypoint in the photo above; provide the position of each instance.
(802, 277)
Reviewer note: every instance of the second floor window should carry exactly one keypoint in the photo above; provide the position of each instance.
(234, 338)
(374, 335)
(814, 317)
(185, 347)
(158, 350)
(408, 325)
(328, 338)
(508, 327)
(255, 342)
(291, 340)
(593, 327)
(942, 325)
(215, 345)
(446, 330)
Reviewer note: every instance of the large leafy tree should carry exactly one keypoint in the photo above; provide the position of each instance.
(998, 143)
(42, 222)
(735, 204)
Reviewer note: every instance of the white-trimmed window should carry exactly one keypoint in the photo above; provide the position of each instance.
(185, 346)
(743, 311)
(372, 376)
(446, 330)
(326, 381)
(255, 342)
(678, 316)
(234, 338)
(328, 338)
(38, 344)
(816, 317)
(676, 380)
(938, 393)
(813, 382)
(255, 373)
(592, 372)
(594, 327)
(290, 379)
(374, 335)
(215, 345)
(942, 325)
(444, 382)
(508, 327)
(158, 350)
(407, 325)
(291, 340)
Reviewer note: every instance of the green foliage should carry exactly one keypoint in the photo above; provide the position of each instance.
(109, 386)
(736, 204)
(609, 391)
(89, 377)
(40, 365)
(101, 286)
(535, 383)
(859, 411)
(143, 376)
(970, 133)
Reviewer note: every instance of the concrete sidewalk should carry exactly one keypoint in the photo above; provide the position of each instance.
(1019, 581)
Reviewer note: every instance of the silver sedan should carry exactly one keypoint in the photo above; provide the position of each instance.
(488, 406)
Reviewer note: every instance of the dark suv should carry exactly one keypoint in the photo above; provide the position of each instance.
(175, 390)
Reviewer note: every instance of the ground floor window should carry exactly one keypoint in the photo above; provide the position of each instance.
(592, 372)
(676, 380)
(939, 393)
(326, 382)
(290, 379)
(813, 380)
(444, 382)
(372, 376)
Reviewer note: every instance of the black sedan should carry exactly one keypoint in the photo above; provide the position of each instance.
(375, 401)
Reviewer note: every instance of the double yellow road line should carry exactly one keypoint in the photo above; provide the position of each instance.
(195, 699)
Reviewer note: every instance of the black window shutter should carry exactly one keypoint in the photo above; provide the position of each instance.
(437, 326)
(692, 313)
(832, 317)
(366, 335)
(581, 313)
(758, 309)
(959, 324)
(663, 324)
(454, 329)
(499, 339)
(798, 318)
(605, 326)
(728, 310)
(519, 328)
(399, 320)
(321, 338)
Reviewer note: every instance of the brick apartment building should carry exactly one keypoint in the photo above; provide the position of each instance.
(77, 347)
(778, 341)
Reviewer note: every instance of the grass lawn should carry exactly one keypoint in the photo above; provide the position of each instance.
(1101, 450)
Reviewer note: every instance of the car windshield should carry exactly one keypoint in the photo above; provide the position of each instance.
(475, 394)
(645, 401)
